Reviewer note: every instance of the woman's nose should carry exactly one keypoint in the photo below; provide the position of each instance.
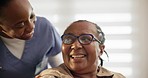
(76, 45)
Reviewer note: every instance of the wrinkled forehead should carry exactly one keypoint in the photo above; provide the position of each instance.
(81, 28)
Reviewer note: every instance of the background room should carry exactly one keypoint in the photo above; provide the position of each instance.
(123, 21)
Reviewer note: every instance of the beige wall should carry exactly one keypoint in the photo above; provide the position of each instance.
(140, 38)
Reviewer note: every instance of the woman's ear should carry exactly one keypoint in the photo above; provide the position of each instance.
(101, 46)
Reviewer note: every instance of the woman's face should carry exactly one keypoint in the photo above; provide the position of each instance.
(18, 20)
(81, 58)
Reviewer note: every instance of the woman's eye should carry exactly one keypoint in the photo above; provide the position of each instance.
(85, 39)
(20, 25)
(33, 18)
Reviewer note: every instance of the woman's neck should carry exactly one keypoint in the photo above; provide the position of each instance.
(85, 76)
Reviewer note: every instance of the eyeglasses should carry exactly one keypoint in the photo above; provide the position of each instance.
(83, 39)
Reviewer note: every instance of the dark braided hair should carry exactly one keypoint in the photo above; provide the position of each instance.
(102, 39)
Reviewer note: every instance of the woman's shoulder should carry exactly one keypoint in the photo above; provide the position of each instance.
(105, 72)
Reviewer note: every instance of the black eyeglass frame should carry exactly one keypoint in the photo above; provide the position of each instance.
(77, 37)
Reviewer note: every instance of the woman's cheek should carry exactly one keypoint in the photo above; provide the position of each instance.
(65, 48)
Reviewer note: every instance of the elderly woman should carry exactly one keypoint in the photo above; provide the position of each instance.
(83, 44)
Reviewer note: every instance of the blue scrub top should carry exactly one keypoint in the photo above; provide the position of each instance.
(46, 42)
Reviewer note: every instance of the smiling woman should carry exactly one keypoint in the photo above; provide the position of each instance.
(82, 47)
(22, 24)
